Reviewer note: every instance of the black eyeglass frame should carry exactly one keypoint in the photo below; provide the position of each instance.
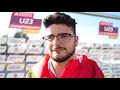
(47, 37)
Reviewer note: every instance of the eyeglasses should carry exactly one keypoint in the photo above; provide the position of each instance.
(63, 38)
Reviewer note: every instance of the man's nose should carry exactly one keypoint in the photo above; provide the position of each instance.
(56, 41)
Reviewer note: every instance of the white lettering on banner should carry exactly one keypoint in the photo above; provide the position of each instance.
(2, 75)
(34, 58)
(16, 50)
(116, 54)
(116, 51)
(106, 65)
(34, 42)
(15, 67)
(30, 31)
(25, 27)
(116, 66)
(107, 71)
(3, 40)
(94, 57)
(2, 67)
(108, 29)
(26, 21)
(16, 40)
(106, 58)
(23, 14)
(34, 50)
(116, 71)
(94, 52)
(116, 46)
(29, 66)
(106, 53)
(2, 58)
(15, 75)
(82, 51)
(106, 23)
(105, 45)
(110, 34)
(3, 49)
(16, 58)
(115, 76)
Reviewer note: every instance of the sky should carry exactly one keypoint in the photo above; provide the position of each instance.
(87, 27)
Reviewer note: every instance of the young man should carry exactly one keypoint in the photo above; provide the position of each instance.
(61, 61)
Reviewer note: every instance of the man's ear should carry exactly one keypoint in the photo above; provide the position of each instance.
(76, 41)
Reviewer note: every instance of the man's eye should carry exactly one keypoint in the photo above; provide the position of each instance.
(50, 37)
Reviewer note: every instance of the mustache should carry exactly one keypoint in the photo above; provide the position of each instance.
(60, 48)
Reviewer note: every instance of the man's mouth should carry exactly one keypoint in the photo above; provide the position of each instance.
(59, 48)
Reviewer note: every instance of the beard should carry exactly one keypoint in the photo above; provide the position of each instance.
(65, 57)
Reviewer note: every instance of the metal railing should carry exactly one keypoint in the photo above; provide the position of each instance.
(100, 15)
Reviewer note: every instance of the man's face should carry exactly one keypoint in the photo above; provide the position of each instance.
(60, 50)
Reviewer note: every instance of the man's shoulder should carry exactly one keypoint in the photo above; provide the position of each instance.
(37, 64)
(87, 59)
(35, 70)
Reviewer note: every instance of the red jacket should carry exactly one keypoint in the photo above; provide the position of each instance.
(81, 68)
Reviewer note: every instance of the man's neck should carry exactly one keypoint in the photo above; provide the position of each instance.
(60, 67)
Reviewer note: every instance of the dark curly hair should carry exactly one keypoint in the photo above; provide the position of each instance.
(60, 18)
